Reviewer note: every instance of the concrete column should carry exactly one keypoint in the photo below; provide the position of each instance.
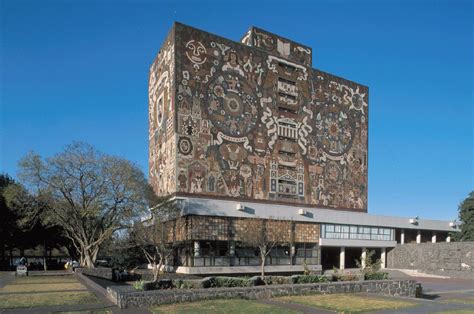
(292, 253)
(363, 257)
(197, 249)
(292, 249)
(383, 258)
(433, 238)
(418, 236)
(402, 236)
(342, 258)
(448, 239)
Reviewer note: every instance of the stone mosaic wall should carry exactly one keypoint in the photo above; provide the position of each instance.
(225, 228)
(443, 256)
(259, 124)
(278, 45)
(161, 112)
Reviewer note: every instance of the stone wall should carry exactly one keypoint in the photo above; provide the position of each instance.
(126, 296)
(101, 272)
(452, 256)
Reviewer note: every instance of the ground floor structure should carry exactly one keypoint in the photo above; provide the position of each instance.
(218, 237)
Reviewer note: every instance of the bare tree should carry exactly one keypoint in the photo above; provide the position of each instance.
(265, 234)
(87, 193)
(157, 236)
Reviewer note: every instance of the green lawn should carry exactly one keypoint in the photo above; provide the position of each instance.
(44, 291)
(220, 306)
(347, 303)
(456, 312)
(342, 303)
(459, 300)
(87, 312)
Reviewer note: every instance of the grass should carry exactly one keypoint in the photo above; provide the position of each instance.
(44, 291)
(43, 287)
(43, 299)
(459, 300)
(220, 306)
(347, 303)
(44, 280)
(456, 312)
(87, 312)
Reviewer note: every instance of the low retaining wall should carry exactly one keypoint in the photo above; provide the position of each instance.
(101, 272)
(126, 296)
(223, 270)
(445, 256)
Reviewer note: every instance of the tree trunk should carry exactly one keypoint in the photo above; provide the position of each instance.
(89, 256)
(11, 258)
(87, 259)
(45, 253)
(156, 270)
(262, 257)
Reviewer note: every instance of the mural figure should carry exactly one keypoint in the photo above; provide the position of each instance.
(254, 120)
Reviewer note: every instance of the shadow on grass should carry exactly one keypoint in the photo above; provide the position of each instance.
(430, 296)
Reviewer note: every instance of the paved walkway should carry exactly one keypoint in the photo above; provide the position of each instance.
(6, 278)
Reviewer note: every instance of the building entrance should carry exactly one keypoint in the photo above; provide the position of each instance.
(330, 257)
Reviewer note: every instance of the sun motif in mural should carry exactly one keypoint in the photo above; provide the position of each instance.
(233, 105)
(357, 100)
(334, 131)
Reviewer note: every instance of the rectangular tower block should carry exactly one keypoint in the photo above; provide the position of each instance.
(252, 120)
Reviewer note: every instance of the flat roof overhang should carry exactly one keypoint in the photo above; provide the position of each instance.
(229, 208)
(356, 243)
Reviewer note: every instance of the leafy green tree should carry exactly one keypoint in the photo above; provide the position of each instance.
(89, 194)
(466, 217)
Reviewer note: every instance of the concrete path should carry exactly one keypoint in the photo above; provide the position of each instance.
(6, 278)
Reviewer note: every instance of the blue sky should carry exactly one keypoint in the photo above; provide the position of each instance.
(77, 70)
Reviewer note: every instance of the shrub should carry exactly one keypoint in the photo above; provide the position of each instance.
(310, 279)
(339, 275)
(208, 282)
(276, 280)
(183, 284)
(348, 277)
(139, 284)
(377, 276)
(256, 281)
(229, 282)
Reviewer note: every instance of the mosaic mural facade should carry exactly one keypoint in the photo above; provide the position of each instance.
(253, 120)
(212, 228)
